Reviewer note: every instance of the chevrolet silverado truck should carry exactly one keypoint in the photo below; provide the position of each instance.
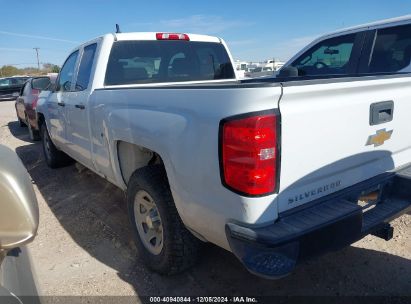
(274, 170)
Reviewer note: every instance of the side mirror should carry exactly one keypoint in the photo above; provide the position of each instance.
(288, 71)
(41, 83)
(19, 213)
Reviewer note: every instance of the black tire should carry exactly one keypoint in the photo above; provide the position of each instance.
(180, 248)
(33, 133)
(54, 157)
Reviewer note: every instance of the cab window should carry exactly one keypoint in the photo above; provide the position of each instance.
(67, 73)
(329, 57)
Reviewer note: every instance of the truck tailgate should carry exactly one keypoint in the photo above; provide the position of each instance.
(337, 134)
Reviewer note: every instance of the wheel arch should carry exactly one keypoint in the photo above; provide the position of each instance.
(131, 157)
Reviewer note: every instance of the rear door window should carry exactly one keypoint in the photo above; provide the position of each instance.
(329, 57)
(84, 72)
(391, 50)
(136, 62)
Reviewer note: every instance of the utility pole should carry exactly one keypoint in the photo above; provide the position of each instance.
(37, 53)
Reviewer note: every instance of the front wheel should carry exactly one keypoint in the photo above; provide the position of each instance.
(161, 238)
(54, 157)
(21, 122)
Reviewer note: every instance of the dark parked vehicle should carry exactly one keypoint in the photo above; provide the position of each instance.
(10, 87)
(26, 103)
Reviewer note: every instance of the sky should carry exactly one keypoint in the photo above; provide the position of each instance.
(254, 30)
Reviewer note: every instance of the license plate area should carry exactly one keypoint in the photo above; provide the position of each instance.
(368, 199)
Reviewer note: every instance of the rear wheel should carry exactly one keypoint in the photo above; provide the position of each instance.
(161, 238)
(21, 122)
(54, 158)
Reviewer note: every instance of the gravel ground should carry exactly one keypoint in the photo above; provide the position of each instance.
(84, 245)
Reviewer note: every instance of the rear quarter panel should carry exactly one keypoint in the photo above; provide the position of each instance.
(182, 126)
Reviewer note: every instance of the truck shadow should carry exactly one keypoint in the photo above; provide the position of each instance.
(93, 212)
(21, 133)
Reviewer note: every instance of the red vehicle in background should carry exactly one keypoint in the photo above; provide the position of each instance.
(26, 103)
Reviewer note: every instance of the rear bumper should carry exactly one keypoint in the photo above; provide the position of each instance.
(327, 224)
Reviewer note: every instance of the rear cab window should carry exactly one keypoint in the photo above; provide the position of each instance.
(142, 62)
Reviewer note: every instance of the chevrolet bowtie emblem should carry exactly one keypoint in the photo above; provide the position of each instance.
(379, 138)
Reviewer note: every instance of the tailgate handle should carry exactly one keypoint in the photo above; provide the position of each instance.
(381, 112)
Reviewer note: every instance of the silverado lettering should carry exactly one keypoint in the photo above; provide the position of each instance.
(314, 192)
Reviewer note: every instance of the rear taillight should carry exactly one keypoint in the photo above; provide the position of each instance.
(35, 94)
(34, 103)
(172, 36)
(249, 153)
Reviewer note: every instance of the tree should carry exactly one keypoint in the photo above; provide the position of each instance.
(8, 70)
(55, 69)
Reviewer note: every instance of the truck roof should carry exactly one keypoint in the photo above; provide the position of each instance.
(401, 19)
(152, 36)
(147, 36)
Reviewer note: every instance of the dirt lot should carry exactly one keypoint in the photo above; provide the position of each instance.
(84, 245)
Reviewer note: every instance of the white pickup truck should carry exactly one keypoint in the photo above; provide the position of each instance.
(274, 170)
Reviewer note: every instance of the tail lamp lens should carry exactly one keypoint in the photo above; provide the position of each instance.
(34, 103)
(249, 154)
(35, 94)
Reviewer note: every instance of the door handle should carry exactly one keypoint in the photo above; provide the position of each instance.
(381, 112)
(61, 104)
(79, 106)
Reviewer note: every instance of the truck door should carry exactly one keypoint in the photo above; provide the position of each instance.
(57, 102)
(339, 131)
(78, 130)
